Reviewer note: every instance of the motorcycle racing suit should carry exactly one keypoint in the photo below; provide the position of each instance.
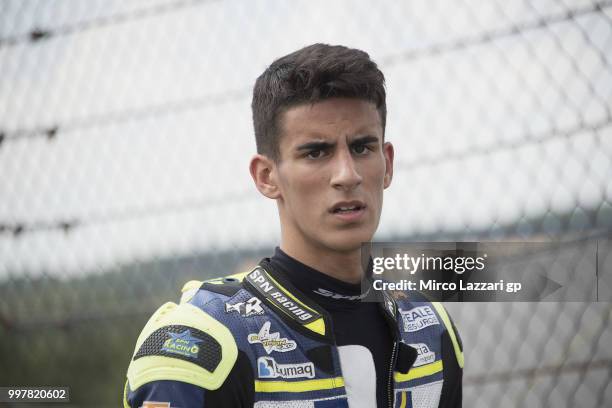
(254, 339)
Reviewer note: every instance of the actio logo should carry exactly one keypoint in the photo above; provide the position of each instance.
(334, 295)
(267, 367)
(418, 318)
(271, 341)
(182, 343)
(251, 307)
(425, 355)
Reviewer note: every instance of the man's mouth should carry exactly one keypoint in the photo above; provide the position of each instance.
(347, 208)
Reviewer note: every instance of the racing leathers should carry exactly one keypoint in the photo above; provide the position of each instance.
(254, 339)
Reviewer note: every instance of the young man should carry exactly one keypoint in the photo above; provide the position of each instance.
(305, 328)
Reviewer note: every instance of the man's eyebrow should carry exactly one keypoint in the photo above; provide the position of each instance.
(364, 139)
(315, 146)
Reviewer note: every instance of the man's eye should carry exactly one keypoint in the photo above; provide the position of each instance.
(315, 154)
(361, 149)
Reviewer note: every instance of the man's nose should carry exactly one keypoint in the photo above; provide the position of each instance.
(345, 173)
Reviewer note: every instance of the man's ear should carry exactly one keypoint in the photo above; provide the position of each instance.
(263, 170)
(388, 152)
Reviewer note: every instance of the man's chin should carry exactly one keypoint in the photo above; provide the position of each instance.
(347, 240)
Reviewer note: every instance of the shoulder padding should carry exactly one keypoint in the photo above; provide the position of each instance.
(236, 277)
(451, 331)
(227, 285)
(183, 343)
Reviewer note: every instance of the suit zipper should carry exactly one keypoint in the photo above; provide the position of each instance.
(391, 390)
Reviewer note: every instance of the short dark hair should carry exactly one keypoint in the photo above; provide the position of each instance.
(312, 74)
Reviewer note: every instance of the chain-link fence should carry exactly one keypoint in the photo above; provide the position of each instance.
(125, 133)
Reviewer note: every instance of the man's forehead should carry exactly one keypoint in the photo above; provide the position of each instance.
(330, 119)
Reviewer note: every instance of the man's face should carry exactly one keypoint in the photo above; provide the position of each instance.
(331, 174)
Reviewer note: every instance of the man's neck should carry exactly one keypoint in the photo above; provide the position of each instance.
(344, 266)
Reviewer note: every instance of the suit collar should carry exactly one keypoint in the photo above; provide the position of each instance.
(300, 311)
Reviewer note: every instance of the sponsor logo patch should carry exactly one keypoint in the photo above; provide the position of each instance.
(155, 404)
(267, 367)
(251, 307)
(425, 355)
(418, 318)
(183, 344)
(259, 279)
(271, 341)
